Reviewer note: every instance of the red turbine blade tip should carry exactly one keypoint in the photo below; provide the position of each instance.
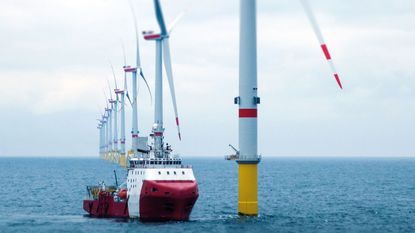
(336, 76)
(326, 51)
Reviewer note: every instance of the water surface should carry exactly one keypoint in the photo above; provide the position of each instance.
(295, 194)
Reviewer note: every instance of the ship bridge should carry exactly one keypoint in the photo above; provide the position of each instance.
(152, 162)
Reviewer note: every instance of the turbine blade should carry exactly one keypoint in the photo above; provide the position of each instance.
(125, 73)
(148, 87)
(123, 53)
(109, 87)
(99, 109)
(175, 21)
(106, 97)
(169, 74)
(138, 62)
(126, 88)
(160, 18)
(128, 97)
(113, 74)
(320, 39)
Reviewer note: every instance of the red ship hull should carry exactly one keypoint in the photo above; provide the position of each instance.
(171, 200)
(167, 200)
(106, 207)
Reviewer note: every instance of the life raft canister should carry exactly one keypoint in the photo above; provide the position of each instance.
(122, 193)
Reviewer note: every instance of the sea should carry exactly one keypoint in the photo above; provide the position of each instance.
(295, 195)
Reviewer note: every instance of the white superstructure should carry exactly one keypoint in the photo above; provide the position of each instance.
(154, 170)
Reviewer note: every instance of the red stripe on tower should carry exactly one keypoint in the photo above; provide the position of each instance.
(248, 113)
(177, 121)
(326, 51)
(135, 135)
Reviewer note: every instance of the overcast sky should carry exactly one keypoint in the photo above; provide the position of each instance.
(54, 66)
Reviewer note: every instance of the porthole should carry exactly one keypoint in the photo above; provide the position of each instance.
(183, 172)
(175, 173)
(159, 172)
(168, 173)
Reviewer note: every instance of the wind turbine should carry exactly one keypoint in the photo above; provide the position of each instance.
(106, 132)
(116, 101)
(103, 142)
(134, 70)
(99, 127)
(162, 54)
(112, 112)
(123, 93)
(108, 111)
(101, 134)
(247, 156)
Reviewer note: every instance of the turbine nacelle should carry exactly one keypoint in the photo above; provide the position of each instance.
(128, 69)
(118, 91)
(150, 35)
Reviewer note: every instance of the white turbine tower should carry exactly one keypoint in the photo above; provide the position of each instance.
(162, 54)
(99, 127)
(247, 156)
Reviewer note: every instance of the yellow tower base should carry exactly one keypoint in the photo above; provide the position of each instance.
(248, 189)
(123, 161)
